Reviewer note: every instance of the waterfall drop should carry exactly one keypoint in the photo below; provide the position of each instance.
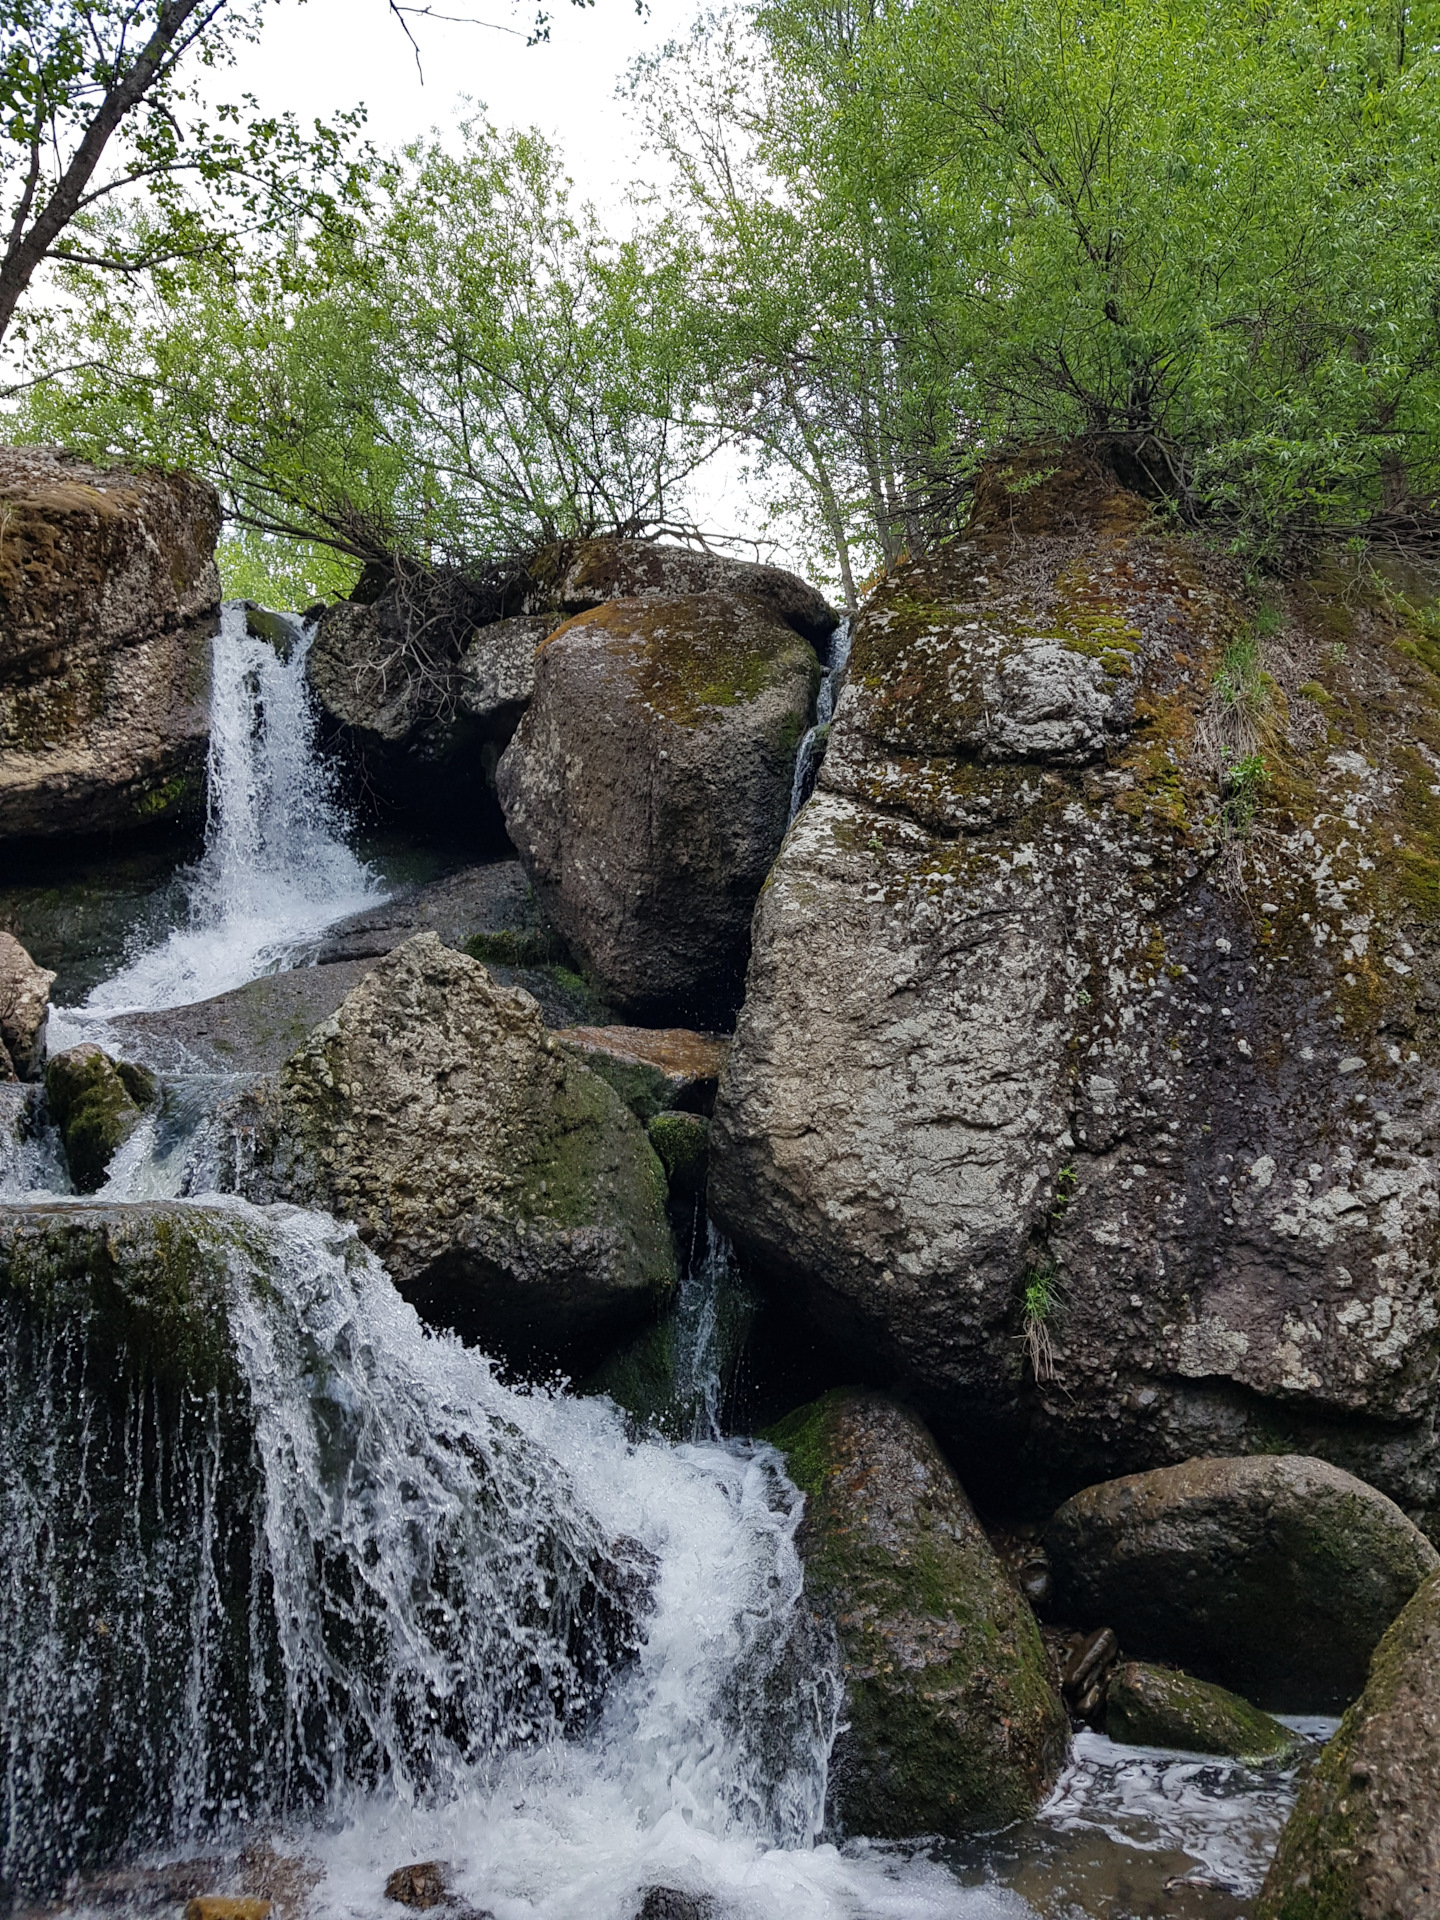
(276, 869)
(807, 758)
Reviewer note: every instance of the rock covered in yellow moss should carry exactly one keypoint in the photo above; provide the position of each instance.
(647, 790)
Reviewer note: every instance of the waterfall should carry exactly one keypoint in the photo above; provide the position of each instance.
(807, 758)
(327, 1562)
(276, 868)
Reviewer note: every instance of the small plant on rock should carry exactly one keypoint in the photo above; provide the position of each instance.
(1038, 1303)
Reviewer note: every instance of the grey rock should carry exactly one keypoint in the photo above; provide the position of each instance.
(496, 674)
(653, 1069)
(24, 1010)
(490, 898)
(1017, 1015)
(509, 1191)
(953, 1724)
(109, 598)
(589, 573)
(1274, 1575)
(250, 1031)
(647, 790)
(1363, 1842)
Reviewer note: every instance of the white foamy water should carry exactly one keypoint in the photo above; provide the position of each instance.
(276, 870)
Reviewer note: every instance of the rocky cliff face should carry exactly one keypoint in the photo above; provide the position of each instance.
(1092, 997)
(109, 597)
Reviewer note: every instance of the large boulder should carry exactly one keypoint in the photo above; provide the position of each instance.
(588, 573)
(1088, 1079)
(653, 1069)
(1363, 1842)
(1273, 1575)
(109, 598)
(24, 1010)
(952, 1725)
(647, 791)
(509, 1191)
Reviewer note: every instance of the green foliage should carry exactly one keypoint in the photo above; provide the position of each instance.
(468, 367)
(1038, 1302)
(280, 572)
(1245, 783)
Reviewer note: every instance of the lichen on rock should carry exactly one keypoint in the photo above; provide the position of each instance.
(647, 791)
(24, 1010)
(953, 1725)
(508, 1190)
(1023, 993)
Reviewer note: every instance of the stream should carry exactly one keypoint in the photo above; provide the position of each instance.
(422, 1651)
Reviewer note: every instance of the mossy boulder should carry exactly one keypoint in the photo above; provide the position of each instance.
(1274, 1575)
(97, 1103)
(1034, 988)
(647, 791)
(953, 1724)
(510, 1192)
(109, 599)
(1363, 1842)
(682, 1142)
(1148, 1706)
(578, 575)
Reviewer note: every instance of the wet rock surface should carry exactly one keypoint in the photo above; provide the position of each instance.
(24, 1009)
(252, 1030)
(509, 1191)
(97, 1103)
(954, 1726)
(1029, 1000)
(492, 897)
(1148, 1706)
(1274, 1576)
(647, 791)
(653, 1069)
(1364, 1840)
(109, 597)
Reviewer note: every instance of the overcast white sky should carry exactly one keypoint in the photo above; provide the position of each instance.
(318, 56)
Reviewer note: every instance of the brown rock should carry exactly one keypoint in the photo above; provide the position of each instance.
(24, 1009)
(108, 602)
(597, 571)
(1274, 1575)
(506, 1188)
(647, 790)
(422, 1885)
(653, 1068)
(1363, 1842)
(224, 1906)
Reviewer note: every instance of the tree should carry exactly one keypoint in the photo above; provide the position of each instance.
(93, 112)
(467, 369)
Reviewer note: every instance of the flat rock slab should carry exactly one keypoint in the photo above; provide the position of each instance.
(1364, 1840)
(1157, 1707)
(1275, 1575)
(492, 898)
(653, 1068)
(253, 1030)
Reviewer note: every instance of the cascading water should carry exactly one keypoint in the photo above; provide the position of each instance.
(807, 758)
(276, 869)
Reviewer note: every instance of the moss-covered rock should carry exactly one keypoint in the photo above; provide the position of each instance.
(1273, 1575)
(1149, 1706)
(647, 790)
(578, 575)
(1363, 1842)
(954, 1726)
(109, 598)
(682, 1142)
(509, 1191)
(97, 1103)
